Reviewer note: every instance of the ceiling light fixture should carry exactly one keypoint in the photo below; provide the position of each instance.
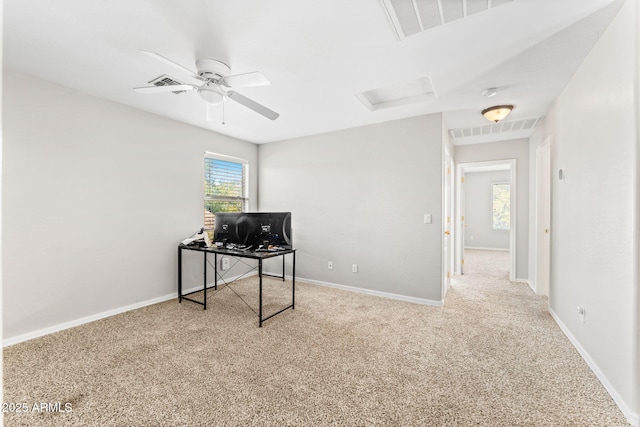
(497, 113)
(210, 95)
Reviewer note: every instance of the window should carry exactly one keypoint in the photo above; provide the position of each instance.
(501, 204)
(225, 186)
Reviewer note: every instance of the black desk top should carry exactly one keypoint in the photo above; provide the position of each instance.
(254, 254)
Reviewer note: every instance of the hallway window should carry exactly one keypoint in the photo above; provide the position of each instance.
(501, 204)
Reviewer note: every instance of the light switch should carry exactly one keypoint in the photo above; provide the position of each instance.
(427, 218)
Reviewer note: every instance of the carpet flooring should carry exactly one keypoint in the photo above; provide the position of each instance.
(491, 356)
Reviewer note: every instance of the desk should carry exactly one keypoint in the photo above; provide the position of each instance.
(257, 255)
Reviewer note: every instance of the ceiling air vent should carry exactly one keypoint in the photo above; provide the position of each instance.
(517, 128)
(410, 17)
(419, 90)
(165, 80)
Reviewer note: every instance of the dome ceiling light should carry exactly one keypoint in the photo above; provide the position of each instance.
(497, 113)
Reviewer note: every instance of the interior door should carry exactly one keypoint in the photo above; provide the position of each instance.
(446, 226)
(543, 229)
(463, 224)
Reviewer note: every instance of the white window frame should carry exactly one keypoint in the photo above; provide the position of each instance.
(493, 224)
(244, 198)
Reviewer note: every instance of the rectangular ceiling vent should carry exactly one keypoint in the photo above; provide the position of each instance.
(408, 17)
(165, 80)
(416, 91)
(495, 128)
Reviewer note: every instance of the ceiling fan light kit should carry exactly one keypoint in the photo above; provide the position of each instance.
(497, 113)
(216, 84)
(211, 95)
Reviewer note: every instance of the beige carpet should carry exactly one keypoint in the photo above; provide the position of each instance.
(492, 356)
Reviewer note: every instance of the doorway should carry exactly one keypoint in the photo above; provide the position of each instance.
(497, 223)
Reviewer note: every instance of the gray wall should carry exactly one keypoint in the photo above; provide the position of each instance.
(359, 196)
(478, 208)
(96, 197)
(519, 150)
(594, 237)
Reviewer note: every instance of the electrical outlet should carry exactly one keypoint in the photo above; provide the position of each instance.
(330, 265)
(225, 263)
(581, 313)
(354, 268)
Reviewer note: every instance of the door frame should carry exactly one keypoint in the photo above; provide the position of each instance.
(461, 168)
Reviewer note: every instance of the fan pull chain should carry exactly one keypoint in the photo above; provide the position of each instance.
(223, 112)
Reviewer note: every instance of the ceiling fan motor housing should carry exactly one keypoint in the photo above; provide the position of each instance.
(211, 69)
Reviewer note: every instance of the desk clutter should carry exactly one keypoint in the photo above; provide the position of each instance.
(260, 248)
(246, 231)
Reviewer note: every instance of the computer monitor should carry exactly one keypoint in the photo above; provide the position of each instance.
(253, 229)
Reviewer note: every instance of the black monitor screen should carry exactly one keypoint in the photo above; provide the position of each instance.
(254, 229)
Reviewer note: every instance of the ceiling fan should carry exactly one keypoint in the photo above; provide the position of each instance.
(216, 84)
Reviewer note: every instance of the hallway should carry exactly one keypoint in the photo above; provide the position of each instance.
(509, 334)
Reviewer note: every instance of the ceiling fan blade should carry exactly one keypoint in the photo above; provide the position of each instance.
(253, 105)
(167, 61)
(163, 89)
(255, 78)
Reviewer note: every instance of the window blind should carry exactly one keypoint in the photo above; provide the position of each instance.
(225, 187)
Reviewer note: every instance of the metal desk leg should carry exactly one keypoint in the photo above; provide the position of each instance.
(283, 267)
(215, 270)
(205, 279)
(179, 273)
(260, 302)
(293, 284)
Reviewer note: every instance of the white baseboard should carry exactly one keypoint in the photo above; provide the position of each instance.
(632, 417)
(478, 248)
(527, 282)
(532, 286)
(77, 322)
(92, 318)
(415, 300)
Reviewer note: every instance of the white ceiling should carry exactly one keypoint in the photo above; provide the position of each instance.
(318, 55)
